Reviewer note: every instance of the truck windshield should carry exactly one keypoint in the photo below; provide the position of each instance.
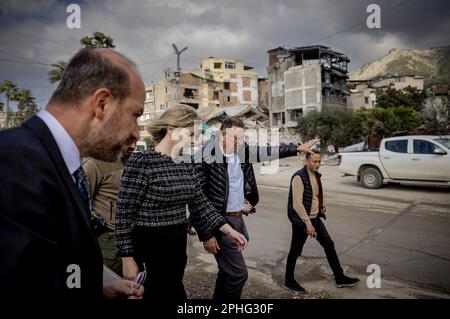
(443, 141)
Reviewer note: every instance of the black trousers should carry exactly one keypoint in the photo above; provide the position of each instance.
(299, 236)
(163, 249)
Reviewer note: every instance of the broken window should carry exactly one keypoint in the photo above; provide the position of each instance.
(278, 118)
(294, 115)
(217, 65)
(226, 85)
(246, 82)
(247, 96)
(216, 95)
(230, 65)
(190, 93)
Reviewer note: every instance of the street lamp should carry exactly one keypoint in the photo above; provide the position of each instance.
(178, 53)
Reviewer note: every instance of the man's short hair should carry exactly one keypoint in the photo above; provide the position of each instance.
(230, 122)
(88, 71)
(308, 155)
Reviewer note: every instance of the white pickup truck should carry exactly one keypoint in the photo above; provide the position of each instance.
(415, 158)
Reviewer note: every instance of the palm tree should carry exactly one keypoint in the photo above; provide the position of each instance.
(11, 93)
(55, 75)
(98, 40)
(2, 105)
(26, 104)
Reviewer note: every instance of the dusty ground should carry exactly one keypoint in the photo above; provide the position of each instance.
(266, 282)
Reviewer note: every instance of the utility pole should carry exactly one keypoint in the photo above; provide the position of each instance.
(178, 74)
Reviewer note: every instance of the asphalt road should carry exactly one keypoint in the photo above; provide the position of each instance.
(403, 229)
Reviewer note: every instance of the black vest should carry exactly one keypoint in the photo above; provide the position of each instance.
(307, 197)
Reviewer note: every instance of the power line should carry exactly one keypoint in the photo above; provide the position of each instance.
(24, 62)
(21, 58)
(28, 61)
(356, 24)
(154, 61)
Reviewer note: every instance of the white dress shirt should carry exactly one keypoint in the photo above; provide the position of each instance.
(66, 145)
(236, 198)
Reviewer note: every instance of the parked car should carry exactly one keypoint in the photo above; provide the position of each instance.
(415, 158)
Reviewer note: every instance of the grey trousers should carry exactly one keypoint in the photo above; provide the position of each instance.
(232, 268)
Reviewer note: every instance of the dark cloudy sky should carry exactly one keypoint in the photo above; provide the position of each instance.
(36, 30)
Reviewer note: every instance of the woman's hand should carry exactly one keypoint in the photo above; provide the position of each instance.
(211, 245)
(130, 268)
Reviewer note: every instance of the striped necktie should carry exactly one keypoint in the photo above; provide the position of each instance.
(82, 183)
(98, 224)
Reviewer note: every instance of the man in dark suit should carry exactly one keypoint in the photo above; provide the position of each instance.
(47, 244)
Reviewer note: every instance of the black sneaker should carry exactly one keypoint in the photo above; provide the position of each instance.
(294, 286)
(345, 281)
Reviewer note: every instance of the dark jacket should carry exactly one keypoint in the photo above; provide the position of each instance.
(44, 225)
(307, 196)
(213, 170)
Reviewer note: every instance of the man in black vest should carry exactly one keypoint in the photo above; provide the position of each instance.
(305, 208)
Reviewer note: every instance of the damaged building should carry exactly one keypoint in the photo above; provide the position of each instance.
(304, 79)
(219, 87)
(239, 82)
(363, 93)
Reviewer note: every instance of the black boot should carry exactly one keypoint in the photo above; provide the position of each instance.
(344, 281)
(294, 286)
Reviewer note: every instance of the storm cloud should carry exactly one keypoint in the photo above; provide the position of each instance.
(35, 32)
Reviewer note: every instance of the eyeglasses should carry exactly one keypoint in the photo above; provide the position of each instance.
(139, 280)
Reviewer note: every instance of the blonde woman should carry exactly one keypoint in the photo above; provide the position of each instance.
(151, 209)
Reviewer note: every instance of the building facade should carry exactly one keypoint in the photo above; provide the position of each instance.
(263, 94)
(305, 79)
(218, 83)
(363, 92)
(362, 95)
(398, 82)
(239, 81)
(437, 103)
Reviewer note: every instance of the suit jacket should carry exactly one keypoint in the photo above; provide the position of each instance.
(45, 232)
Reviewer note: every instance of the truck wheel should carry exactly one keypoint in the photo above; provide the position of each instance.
(371, 178)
